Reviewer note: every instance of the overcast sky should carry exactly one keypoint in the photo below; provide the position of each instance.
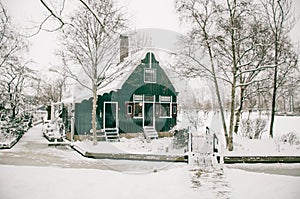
(144, 14)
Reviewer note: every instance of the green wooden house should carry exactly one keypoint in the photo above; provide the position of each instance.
(142, 100)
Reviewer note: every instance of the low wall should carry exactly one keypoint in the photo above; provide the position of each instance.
(261, 159)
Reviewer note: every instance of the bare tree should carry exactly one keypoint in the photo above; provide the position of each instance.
(279, 17)
(50, 90)
(55, 19)
(14, 71)
(228, 31)
(237, 46)
(93, 48)
(252, 46)
(201, 13)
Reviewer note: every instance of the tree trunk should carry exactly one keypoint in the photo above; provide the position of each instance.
(273, 108)
(239, 111)
(221, 108)
(94, 116)
(231, 121)
(234, 71)
(216, 87)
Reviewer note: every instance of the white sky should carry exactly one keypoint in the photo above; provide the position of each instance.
(144, 14)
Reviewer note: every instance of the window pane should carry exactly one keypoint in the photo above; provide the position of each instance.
(165, 98)
(149, 98)
(150, 75)
(129, 109)
(138, 109)
(165, 110)
(138, 97)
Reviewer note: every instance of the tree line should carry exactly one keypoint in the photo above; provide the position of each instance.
(244, 45)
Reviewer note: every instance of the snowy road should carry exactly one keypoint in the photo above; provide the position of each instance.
(33, 150)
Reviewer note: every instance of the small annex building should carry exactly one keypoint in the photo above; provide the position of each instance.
(142, 99)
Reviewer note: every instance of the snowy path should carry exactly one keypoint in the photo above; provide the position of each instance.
(33, 150)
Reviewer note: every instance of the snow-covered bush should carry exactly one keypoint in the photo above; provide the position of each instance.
(291, 137)
(253, 128)
(195, 119)
(181, 138)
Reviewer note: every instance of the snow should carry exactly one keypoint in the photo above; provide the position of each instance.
(6, 138)
(46, 182)
(265, 146)
(250, 185)
(49, 182)
(262, 147)
(286, 124)
(31, 169)
(163, 53)
(134, 145)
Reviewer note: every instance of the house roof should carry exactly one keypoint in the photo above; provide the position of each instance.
(163, 44)
(166, 61)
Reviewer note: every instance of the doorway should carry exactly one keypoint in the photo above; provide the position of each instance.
(149, 118)
(110, 115)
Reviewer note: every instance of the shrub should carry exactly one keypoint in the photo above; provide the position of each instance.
(253, 128)
(291, 138)
(181, 138)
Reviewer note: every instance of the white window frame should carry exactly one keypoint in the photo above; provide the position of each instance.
(153, 78)
(138, 98)
(163, 100)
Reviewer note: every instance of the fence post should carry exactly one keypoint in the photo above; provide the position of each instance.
(72, 129)
(189, 146)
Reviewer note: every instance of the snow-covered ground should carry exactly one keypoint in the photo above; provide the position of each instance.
(134, 145)
(6, 140)
(32, 170)
(245, 184)
(183, 182)
(264, 146)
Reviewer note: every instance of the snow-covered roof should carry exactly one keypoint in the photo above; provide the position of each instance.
(161, 43)
(165, 58)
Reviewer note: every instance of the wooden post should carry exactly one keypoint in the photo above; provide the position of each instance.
(189, 146)
(72, 129)
(52, 112)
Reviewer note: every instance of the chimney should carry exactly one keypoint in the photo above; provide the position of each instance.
(124, 47)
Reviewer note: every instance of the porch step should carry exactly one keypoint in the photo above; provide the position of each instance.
(101, 136)
(108, 135)
(112, 135)
(150, 133)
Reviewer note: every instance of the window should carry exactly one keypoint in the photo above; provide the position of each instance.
(174, 111)
(129, 109)
(138, 109)
(165, 110)
(137, 97)
(150, 75)
(149, 98)
(165, 98)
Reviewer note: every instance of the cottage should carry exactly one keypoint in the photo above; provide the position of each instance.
(142, 99)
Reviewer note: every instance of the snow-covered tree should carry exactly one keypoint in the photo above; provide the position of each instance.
(91, 45)
(280, 19)
(230, 41)
(199, 44)
(14, 71)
